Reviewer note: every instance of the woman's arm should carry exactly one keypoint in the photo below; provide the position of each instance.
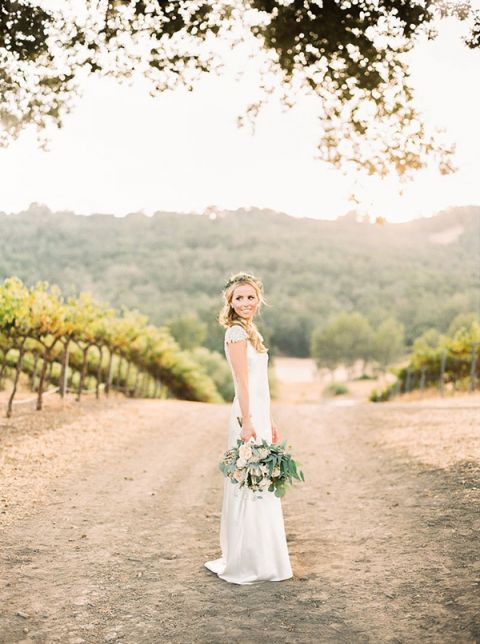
(275, 436)
(238, 358)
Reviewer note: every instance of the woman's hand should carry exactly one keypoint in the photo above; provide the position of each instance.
(275, 437)
(248, 431)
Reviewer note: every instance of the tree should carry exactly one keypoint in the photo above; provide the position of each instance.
(348, 55)
(124, 330)
(292, 330)
(46, 51)
(462, 321)
(5, 347)
(429, 351)
(344, 339)
(15, 323)
(47, 326)
(188, 330)
(438, 359)
(37, 321)
(428, 340)
(388, 342)
(218, 370)
(80, 313)
(88, 324)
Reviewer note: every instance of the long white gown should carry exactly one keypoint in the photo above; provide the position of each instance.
(252, 533)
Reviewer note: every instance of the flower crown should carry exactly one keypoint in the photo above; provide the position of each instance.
(240, 277)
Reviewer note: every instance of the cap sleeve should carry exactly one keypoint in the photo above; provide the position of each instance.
(235, 333)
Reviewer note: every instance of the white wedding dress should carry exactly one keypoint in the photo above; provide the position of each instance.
(252, 533)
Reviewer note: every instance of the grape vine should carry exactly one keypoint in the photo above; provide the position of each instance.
(77, 343)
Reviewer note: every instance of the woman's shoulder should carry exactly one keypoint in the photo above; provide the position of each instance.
(235, 333)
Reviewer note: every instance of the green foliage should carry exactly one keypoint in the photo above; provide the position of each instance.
(427, 346)
(46, 51)
(348, 56)
(336, 389)
(15, 313)
(312, 271)
(40, 321)
(458, 355)
(217, 369)
(344, 339)
(188, 330)
(461, 321)
(382, 395)
(388, 342)
(268, 463)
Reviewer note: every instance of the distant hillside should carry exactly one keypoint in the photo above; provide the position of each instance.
(423, 272)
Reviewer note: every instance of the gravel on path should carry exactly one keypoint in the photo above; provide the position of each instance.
(109, 511)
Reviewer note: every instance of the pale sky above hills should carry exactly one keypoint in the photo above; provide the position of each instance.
(122, 151)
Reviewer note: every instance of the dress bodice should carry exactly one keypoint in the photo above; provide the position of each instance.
(257, 362)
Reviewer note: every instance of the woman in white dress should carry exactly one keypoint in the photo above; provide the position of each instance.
(252, 533)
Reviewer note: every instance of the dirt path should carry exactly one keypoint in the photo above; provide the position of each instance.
(107, 521)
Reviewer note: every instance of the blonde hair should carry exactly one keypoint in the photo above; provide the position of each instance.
(228, 316)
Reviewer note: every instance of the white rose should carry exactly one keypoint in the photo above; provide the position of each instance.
(245, 452)
(241, 462)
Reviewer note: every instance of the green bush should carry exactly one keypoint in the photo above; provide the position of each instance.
(336, 389)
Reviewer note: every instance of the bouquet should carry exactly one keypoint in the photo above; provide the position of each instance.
(260, 467)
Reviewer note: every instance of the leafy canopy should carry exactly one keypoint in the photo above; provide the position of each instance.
(349, 55)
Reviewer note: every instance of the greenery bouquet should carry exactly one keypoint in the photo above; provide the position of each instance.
(260, 467)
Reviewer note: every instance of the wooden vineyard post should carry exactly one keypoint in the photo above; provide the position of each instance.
(422, 381)
(408, 381)
(442, 373)
(108, 383)
(64, 371)
(99, 372)
(473, 368)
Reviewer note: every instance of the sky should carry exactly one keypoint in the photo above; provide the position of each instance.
(122, 151)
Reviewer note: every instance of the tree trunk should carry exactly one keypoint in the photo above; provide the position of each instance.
(42, 380)
(364, 366)
(18, 368)
(82, 372)
(119, 373)
(50, 371)
(142, 385)
(34, 372)
(3, 370)
(135, 386)
(127, 375)
(64, 372)
(441, 383)
(146, 386)
(109, 374)
(46, 362)
(99, 373)
(473, 368)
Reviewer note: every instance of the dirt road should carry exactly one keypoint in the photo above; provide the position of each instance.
(108, 513)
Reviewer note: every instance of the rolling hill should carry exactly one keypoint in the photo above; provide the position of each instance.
(422, 272)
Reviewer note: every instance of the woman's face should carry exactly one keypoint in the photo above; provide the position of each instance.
(245, 301)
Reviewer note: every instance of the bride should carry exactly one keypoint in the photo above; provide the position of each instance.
(252, 533)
